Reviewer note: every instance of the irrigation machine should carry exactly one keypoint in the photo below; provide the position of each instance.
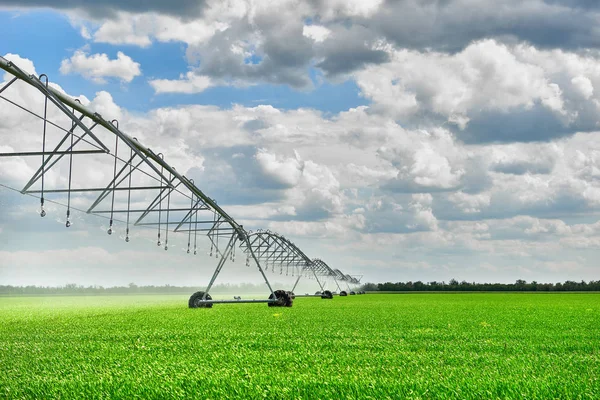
(142, 189)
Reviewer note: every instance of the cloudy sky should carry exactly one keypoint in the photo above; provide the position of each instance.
(399, 140)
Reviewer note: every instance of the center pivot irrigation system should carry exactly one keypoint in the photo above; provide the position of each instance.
(143, 189)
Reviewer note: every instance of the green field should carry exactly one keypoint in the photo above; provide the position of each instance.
(459, 346)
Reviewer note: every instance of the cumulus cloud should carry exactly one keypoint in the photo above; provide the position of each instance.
(532, 158)
(266, 49)
(317, 33)
(412, 24)
(284, 172)
(190, 83)
(98, 67)
(142, 29)
(362, 179)
(489, 91)
(470, 203)
(425, 161)
(415, 24)
(485, 76)
(350, 49)
(13, 170)
(108, 9)
(244, 42)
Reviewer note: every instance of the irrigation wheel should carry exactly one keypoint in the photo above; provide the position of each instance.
(196, 298)
(283, 299)
(343, 293)
(327, 294)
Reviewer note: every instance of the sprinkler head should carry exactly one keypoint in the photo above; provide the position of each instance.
(188, 251)
(109, 231)
(43, 213)
(127, 239)
(68, 224)
(195, 252)
(166, 247)
(158, 243)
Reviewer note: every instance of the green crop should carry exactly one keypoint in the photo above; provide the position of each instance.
(450, 346)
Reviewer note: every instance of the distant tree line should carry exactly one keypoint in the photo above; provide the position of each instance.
(417, 286)
(464, 286)
(132, 288)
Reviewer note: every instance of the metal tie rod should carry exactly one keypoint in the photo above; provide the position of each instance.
(92, 189)
(236, 301)
(47, 153)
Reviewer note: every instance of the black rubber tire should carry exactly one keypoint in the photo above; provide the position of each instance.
(196, 297)
(291, 294)
(352, 293)
(283, 299)
(327, 294)
(343, 293)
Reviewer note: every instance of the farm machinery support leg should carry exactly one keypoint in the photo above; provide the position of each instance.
(340, 291)
(204, 300)
(221, 263)
(296, 283)
(338, 285)
(350, 291)
(262, 272)
(319, 282)
(325, 294)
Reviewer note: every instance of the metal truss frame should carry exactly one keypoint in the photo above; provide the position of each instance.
(278, 252)
(176, 204)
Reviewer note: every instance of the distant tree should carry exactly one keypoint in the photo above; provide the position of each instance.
(369, 287)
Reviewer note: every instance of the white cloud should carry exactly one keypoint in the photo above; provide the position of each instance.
(98, 67)
(85, 33)
(14, 171)
(485, 75)
(104, 105)
(353, 175)
(169, 29)
(318, 192)
(584, 86)
(141, 29)
(126, 29)
(190, 83)
(317, 33)
(348, 8)
(425, 160)
(286, 172)
(470, 203)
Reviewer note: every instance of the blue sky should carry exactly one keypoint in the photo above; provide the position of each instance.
(55, 39)
(393, 140)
